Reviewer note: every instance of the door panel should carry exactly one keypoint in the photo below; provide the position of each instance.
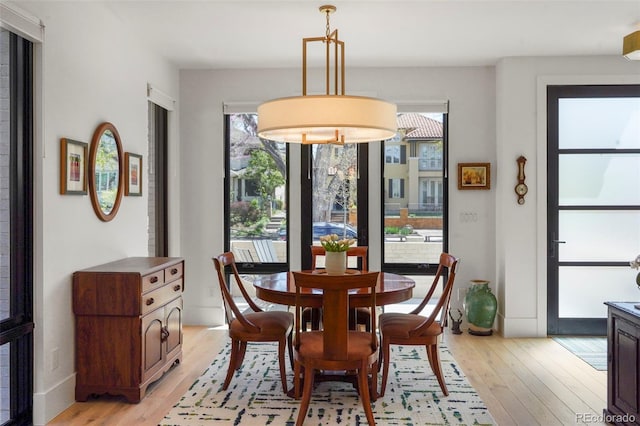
(152, 346)
(593, 203)
(174, 325)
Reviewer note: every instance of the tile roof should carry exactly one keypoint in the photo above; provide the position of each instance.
(418, 126)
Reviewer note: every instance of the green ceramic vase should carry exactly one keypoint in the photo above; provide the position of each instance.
(480, 307)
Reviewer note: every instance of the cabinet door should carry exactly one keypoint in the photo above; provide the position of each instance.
(625, 370)
(152, 346)
(173, 322)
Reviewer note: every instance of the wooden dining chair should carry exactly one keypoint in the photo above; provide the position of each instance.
(415, 329)
(357, 316)
(255, 326)
(336, 347)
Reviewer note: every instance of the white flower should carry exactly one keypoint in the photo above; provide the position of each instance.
(332, 242)
(635, 264)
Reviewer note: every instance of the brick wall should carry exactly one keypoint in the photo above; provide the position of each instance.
(415, 222)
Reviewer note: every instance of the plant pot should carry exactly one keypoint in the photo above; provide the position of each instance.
(480, 307)
(335, 262)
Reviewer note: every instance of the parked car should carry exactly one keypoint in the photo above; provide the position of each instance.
(326, 228)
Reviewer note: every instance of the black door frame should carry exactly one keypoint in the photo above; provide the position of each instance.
(575, 326)
(161, 166)
(17, 329)
(422, 268)
(306, 200)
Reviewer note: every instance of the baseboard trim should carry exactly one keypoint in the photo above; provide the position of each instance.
(519, 327)
(47, 405)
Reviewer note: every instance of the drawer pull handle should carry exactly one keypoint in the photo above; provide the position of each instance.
(153, 280)
(150, 301)
(177, 287)
(174, 271)
(164, 334)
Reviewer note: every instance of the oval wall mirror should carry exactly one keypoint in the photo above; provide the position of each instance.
(106, 171)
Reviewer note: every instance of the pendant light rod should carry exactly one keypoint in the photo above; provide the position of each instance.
(330, 118)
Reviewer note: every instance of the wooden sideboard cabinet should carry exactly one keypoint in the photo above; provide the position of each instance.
(128, 319)
(623, 364)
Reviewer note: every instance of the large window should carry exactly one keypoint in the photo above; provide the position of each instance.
(414, 194)
(256, 197)
(16, 189)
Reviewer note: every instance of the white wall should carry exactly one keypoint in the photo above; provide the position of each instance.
(521, 232)
(471, 92)
(496, 115)
(91, 69)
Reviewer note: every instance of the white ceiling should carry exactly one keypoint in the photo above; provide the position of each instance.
(261, 33)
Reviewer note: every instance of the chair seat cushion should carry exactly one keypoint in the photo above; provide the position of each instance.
(272, 323)
(311, 345)
(395, 324)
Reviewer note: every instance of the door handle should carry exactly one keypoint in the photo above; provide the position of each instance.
(554, 245)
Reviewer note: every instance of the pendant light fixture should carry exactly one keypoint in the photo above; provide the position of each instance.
(329, 118)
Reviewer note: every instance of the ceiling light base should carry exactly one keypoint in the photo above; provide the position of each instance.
(327, 8)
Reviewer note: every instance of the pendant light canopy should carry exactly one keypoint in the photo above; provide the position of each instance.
(329, 118)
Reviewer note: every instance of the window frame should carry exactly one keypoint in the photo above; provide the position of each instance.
(254, 267)
(418, 268)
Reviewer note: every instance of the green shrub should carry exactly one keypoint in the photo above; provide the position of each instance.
(244, 213)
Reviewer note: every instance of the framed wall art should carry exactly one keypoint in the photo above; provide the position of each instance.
(474, 175)
(73, 167)
(133, 174)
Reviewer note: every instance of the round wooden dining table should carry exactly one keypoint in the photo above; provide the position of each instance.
(279, 288)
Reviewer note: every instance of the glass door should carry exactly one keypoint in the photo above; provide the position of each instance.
(593, 203)
(334, 193)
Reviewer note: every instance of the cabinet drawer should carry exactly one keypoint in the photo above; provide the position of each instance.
(173, 272)
(161, 296)
(152, 281)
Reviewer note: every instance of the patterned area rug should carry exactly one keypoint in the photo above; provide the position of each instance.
(592, 350)
(255, 396)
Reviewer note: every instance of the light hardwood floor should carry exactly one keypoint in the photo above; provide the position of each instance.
(522, 381)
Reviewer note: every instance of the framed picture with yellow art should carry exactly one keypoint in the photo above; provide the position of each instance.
(474, 175)
(133, 174)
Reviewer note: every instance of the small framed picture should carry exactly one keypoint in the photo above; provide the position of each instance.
(474, 175)
(133, 174)
(73, 167)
